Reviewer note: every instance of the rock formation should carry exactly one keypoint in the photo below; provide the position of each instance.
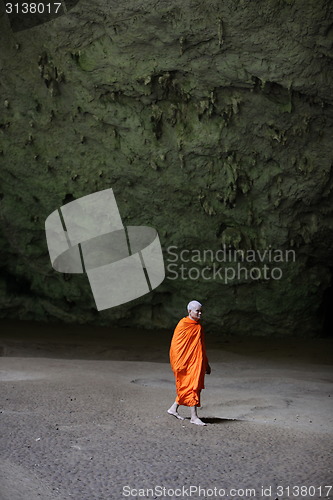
(211, 120)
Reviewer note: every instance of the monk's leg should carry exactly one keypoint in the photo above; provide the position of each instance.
(173, 410)
(194, 417)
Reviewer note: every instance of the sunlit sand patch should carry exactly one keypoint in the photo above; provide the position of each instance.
(146, 382)
(14, 375)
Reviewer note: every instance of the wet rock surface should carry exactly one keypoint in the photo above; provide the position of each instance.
(211, 121)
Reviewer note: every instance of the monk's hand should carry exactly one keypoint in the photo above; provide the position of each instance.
(208, 370)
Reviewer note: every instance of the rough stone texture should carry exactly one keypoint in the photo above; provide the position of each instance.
(211, 120)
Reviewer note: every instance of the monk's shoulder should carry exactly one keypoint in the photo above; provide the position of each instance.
(182, 322)
(180, 325)
(188, 327)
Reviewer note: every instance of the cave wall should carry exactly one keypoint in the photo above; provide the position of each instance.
(211, 120)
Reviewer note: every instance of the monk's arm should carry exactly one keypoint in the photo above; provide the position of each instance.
(208, 368)
(206, 362)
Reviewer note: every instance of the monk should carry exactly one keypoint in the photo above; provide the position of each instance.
(189, 362)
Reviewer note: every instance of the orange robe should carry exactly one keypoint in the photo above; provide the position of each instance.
(188, 361)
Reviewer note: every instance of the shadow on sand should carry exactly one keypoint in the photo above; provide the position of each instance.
(216, 420)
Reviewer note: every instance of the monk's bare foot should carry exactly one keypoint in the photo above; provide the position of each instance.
(175, 414)
(197, 421)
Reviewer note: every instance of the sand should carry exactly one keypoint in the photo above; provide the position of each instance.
(83, 416)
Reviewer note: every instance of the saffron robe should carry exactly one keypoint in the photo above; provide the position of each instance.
(188, 361)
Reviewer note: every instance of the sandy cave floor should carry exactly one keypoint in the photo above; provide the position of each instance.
(83, 416)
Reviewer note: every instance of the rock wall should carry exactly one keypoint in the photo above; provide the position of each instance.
(211, 120)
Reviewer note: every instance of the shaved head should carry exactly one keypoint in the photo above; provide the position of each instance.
(193, 305)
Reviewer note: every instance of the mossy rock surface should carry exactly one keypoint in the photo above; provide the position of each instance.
(211, 121)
